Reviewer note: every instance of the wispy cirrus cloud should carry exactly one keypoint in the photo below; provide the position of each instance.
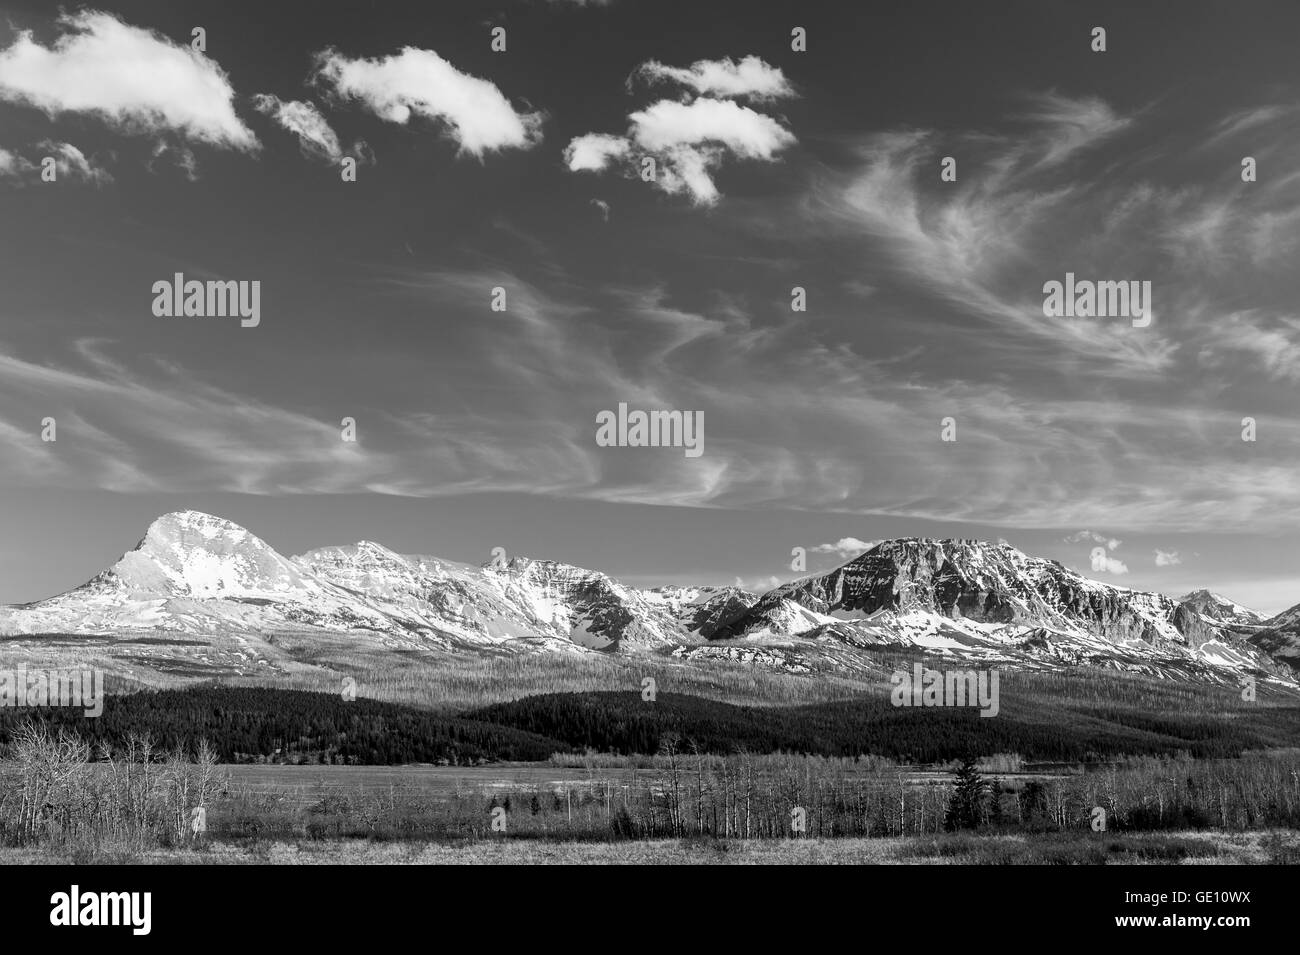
(69, 164)
(792, 421)
(1242, 120)
(13, 165)
(304, 120)
(1066, 126)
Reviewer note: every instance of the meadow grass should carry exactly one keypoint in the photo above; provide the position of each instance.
(1172, 848)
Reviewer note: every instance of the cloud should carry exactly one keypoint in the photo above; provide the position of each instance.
(315, 137)
(985, 248)
(751, 78)
(1167, 558)
(846, 547)
(473, 111)
(691, 138)
(104, 409)
(594, 151)
(1270, 343)
(603, 206)
(136, 80)
(759, 585)
(1241, 120)
(71, 163)
(181, 155)
(668, 125)
(794, 421)
(1067, 126)
(1092, 537)
(1110, 565)
(12, 165)
(1101, 562)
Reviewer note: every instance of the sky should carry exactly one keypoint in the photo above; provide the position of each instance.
(516, 177)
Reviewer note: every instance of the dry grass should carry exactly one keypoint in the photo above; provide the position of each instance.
(1179, 848)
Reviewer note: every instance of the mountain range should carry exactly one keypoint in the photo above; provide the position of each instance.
(200, 596)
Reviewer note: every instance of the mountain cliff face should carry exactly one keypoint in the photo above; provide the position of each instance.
(1220, 610)
(197, 575)
(1279, 637)
(965, 579)
(952, 594)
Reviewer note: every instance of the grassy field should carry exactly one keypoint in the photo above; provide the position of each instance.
(1174, 773)
(1175, 848)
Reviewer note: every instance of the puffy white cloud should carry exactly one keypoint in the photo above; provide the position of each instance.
(688, 142)
(603, 206)
(315, 137)
(594, 151)
(1093, 537)
(474, 111)
(846, 547)
(668, 124)
(133, 79)
(751, 77)
(1110, 565)
(1167, 558)
(690, 138)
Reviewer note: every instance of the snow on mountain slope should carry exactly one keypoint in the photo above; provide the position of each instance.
(495, 605)
(1219, 609)
(983, 598)
(200, 576)
(1279, 637)
(699, 610)
(197, 555)
(423, 593)
(599, 612)
(987, 583)
(195, 573)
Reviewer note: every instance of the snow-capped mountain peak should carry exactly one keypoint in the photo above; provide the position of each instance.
(193, 554)
(197, 574)
(1219, 608)
(970, 596)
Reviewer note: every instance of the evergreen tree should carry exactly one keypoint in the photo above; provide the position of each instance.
(966, 805)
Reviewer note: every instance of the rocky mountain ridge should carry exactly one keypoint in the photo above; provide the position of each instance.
(237, 602)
